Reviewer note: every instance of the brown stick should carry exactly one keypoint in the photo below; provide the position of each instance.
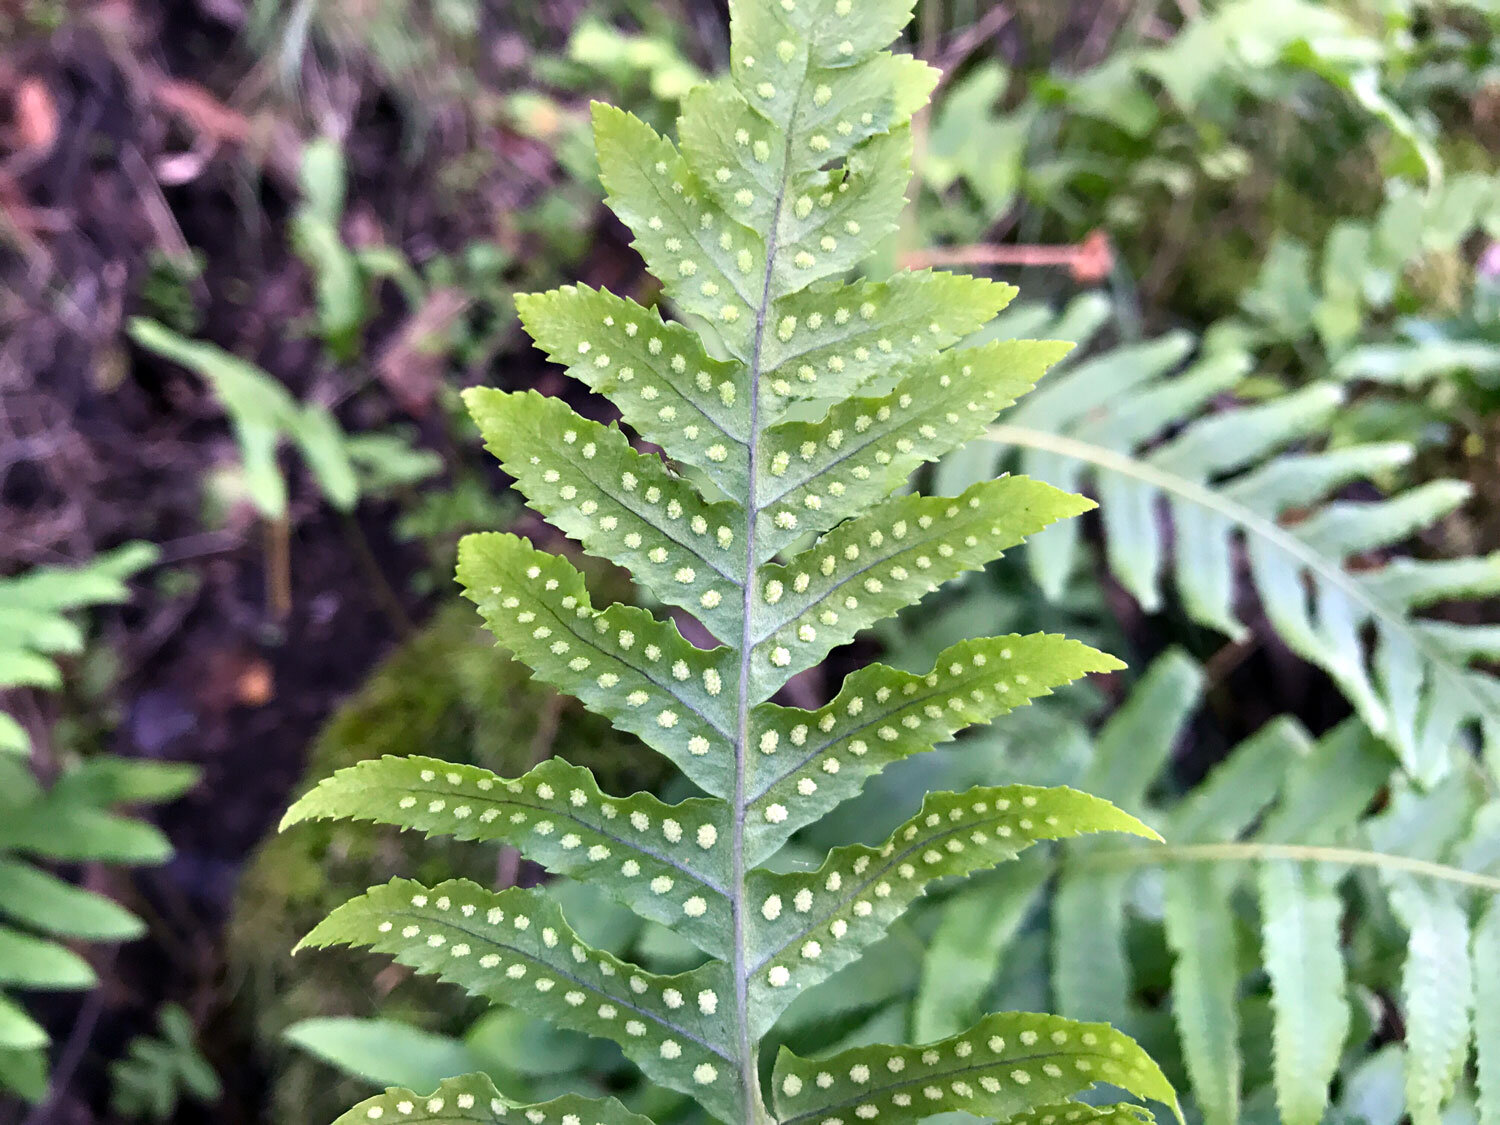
(1088, 261)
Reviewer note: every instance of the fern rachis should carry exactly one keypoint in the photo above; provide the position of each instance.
(802, 406)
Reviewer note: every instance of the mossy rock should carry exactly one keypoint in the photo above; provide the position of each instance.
(447, 692)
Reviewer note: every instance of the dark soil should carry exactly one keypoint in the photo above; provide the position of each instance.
(134, 133)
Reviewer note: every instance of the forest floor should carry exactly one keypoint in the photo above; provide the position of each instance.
(148, 159)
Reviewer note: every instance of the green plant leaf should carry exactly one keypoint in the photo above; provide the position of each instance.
(1006, 1064)
(806, 925)
(42, 901)
(513, 947)
(621, 661)
(668, 388)
(1300, 912)
(473, 1100)
(556, 815)
(617, 502)
(1437, 983)
(810, 761)
(31, 962)
(831, 343)
(385, 1052)
(262, 414)
(870, 567)
(1205, 982)
(18, 1031)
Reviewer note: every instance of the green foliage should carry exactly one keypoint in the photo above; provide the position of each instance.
(72, 820)
(624, 58)
(339, 285)
(263, 415)
(157, 1071)
(448, 687)
(1255, 478)
(786, 424)
(35, 627)
(1280, 841)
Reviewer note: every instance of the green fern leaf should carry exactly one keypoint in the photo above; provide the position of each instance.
(32, 962)
(789, 405)
(1205, 982)
(811, 923)
(1227, 476)
(18, 1031)
(1004, 1065)
(667, 386)
(622, 662)
(874, 565)
(42, 901)
(667, 862)
(1078, 1113)
(1300, 912)
(811, 761)
(473, 1100)
(863, 448)
(513, 947)
(618, 503)
(831, 343)
(1437, 983)
(1486, 954)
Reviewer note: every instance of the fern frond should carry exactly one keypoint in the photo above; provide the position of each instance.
(513, 947)
(1286, 819)
(812, 923)
(1147, 437)
(1300, 914)
(1002, 1066)
(1437, 984)
(789, 405)
(633, 847)
(473, 1100)
(71, 820)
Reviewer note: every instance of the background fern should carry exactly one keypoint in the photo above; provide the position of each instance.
(1298, 894)
(1210, 491)
(69, 817)
(795, 415)
(1280, 841)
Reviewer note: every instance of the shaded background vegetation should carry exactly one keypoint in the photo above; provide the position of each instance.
(250, 252)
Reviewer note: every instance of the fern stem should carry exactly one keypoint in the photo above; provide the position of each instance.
(1300, 853)
(749, 1062)
(1251, 521)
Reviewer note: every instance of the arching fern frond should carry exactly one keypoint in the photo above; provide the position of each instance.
(1209, 494)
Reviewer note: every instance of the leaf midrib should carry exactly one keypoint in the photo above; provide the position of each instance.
(749, 1069)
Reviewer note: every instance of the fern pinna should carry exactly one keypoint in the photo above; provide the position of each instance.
(787, 417)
